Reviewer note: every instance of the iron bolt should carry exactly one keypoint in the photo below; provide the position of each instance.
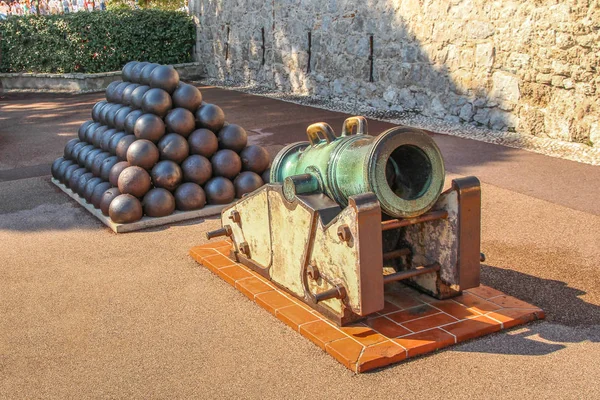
(344, 233)
(313, 272)
(235, 216)
(244, 249)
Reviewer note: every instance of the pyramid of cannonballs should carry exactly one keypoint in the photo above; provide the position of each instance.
(154, 146)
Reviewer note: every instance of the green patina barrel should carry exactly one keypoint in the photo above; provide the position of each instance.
(403, 166)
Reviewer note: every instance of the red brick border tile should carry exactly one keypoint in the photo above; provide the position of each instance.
(414, 323)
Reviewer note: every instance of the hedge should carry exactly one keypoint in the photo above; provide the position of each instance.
(92, 42)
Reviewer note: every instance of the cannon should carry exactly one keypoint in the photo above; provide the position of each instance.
(347, 218)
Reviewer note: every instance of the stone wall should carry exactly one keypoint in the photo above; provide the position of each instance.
(531, 66)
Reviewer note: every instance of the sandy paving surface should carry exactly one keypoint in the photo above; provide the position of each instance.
(86, 313)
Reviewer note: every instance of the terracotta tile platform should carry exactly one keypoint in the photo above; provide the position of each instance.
(411, 323)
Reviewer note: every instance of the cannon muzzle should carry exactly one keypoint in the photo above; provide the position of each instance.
(403, 166)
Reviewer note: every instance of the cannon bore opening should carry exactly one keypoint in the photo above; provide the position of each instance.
(408, 172)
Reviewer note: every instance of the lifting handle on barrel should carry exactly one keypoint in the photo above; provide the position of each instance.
(359, 122)
(322, 128)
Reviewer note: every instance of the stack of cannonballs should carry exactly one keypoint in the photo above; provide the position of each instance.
(154, 146)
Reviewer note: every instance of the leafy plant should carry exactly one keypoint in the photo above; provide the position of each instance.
(94, 42)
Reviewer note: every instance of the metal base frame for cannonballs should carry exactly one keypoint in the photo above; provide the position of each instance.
(145, 222)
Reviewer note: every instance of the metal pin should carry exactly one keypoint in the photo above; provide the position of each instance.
(336, 292)
(224, 231)
(399, 223)
(396, 254)
(410, 273)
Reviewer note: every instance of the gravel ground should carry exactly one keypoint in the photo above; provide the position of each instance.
(551, 147)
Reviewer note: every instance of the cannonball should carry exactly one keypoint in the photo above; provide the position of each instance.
(111, 114)
(159, 202)
(106, 166)
(181, 121)
(55, 166)
(85, 150)
(233, 137)
(98, 135)
(247, 182)
(74, 177)
(266, 176)
(187, 96)
(68, 172)
(81, 182)
(98, 192)
(126, 71)
(255, 158)
(103, 111)
(128, 92)
(157, 101)
(145, 74)
(82, 128)
(120, 116)
(125, 209)
(219, 190)
(210, 116)
(137, 71)
(142, 153)
(69, 148)
(89, 159)
(164, 77)
(123, 146)
(62, 169)
(89, 188)
(105, 141)
(189, 196)
(96, 110)
(114, 140)
(76, 149)
(107, 197)
(150, 127)
(89, 132)
(97, 163)
(197, 169)
(137, 95)
(110, 89)
(166, 174)
(173, 147)
(226, 163)
(131, 119)
(203, 142)
(135, 181)
(115, 171)
(118, 92)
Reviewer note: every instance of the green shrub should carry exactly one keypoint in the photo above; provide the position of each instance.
(96, 41)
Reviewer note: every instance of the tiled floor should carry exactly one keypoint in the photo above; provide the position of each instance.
(410, 324)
